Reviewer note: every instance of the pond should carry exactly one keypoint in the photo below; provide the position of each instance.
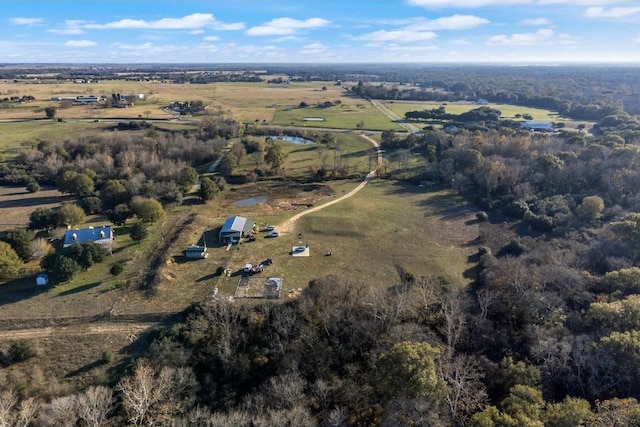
(287, 138)
(251, 201)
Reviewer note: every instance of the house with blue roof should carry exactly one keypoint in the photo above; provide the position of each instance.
(102, 235)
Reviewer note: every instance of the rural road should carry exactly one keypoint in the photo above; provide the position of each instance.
(286, 226)
(133, 328)
(393, 116)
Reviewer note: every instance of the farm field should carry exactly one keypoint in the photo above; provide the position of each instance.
(344, 116)
(508, 111)
(247, 102)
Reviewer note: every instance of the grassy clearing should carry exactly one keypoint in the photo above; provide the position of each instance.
(18, 135)
(304, 158)
(508, 111)
(17, 204)
(344, 116)
(381, 228)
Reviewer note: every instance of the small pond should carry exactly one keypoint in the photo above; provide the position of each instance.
(251, 201)
(287, 138)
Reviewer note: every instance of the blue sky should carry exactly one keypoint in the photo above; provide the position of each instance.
(327, 31)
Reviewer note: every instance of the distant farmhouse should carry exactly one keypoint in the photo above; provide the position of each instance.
(101, 235)
(537, 126)
(234, 228)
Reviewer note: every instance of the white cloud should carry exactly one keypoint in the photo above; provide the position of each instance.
(539, 37)
(616, 12)
(288, 39)
(314, 49)
(286, 26)
(401, 36)
(536, 22)
(190, 22)
(454, 22)
(71, 26)
(26, 21)
(125, 46)
(211, 38)
(80, 43)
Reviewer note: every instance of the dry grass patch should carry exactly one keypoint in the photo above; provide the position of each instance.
(17, 204)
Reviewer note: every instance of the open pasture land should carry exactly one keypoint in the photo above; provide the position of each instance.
(508, 111)
(383, 228)
(303, 158)
(247, 102)
(353, 115)
(16, 204)
(27, 134)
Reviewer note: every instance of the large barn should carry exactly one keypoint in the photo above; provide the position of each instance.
(234, 227)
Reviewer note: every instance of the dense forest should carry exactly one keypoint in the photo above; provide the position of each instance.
(548, 333)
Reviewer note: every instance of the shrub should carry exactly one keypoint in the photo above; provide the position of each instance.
(33, 187)
(116, 269)
(108, 356)
(21, 350)
(138, 231)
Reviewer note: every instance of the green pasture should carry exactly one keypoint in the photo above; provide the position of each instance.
(344, 116)
(302, 158)
(16, 135)
(383, 228)
(508, 111)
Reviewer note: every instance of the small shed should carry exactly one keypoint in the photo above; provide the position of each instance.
(196, 252)
(42, 279)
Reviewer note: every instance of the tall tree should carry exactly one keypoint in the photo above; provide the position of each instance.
(208, 189)
(275, 156)
(148, 210)
(71, 215)
(10, 262)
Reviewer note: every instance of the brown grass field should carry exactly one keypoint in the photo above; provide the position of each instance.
(248, 102)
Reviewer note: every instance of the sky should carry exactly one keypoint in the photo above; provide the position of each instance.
(320, 31)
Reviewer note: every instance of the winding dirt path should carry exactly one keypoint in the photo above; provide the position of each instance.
(287, 226)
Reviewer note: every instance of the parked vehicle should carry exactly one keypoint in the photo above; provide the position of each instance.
(273, 234)
(270, 228)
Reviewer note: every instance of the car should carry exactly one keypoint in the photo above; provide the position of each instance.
(270, 228)
(273, 234)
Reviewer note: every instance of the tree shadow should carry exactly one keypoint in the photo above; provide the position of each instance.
(84, 369)
(79, 289)
(21, 289)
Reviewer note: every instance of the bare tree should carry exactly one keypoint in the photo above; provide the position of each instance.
(454, 307)
(27, 411)
(8, 400)
(464, 393)
(60, 412)
(94, 405)
(141, 391)
(149, 396)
